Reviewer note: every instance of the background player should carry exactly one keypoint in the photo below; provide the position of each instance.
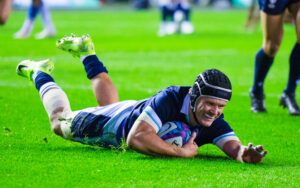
(137, 122)
(36, 7)
(272, 22)
(175, 17)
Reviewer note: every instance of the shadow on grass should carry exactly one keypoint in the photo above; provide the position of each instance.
(207, 158)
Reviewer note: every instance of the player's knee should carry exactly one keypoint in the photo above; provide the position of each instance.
(271, 48)
(61, 122)
(56, 129)
(55, 123)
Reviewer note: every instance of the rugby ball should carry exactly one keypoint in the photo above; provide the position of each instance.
(175, 132)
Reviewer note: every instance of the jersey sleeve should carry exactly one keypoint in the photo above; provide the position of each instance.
(163, 107)
(218, 133)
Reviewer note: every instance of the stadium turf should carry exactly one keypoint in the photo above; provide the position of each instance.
(140, 63)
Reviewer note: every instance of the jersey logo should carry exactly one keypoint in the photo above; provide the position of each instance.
(166, 129)
(177, 141)
(272, 4)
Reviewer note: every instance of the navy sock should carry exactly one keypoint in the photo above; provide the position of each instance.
(41, 78)
(93, 66)
(33, 11)
(263, 62)
(186, 12)
(294, 72)
(166, 13)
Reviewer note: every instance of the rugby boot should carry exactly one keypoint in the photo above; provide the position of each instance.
(27, 67)
(288, 100)
(46, 33)
(78, 46)
(257, 103)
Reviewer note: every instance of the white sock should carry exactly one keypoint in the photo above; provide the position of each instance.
(27, 26)
(46, 17)
(53, 97)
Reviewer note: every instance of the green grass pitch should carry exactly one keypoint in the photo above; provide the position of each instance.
(140, 63)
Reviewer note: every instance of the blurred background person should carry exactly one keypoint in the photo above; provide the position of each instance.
(36, 7)
(253, 15)
(175, 17)
(5, 9)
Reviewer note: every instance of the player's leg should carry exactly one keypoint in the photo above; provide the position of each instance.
(253, 15)
(288, 98)
(167, 25)
(27, 26)
(272, 26)
(83, 47)
(5, 9)
(49, 29)
(53, 97)
(186, 26)
(288, 18)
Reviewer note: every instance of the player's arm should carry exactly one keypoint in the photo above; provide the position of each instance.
(143, 138)
(248, 154)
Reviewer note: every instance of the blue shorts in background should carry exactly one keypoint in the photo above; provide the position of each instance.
(275, 7)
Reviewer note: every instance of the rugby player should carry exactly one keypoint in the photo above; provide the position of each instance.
(36, 7)
(137, 122)
(175, 17)
(272, 13)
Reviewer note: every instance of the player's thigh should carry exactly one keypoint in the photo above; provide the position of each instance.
(94, 128)
(272, 26)
(294, 9)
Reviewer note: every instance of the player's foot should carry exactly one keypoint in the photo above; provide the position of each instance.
(257, 103)
(288, 100)
(25, 31)
(27, 67)
(167, 28)
(186, 27)
(46, 33)
(77, 46)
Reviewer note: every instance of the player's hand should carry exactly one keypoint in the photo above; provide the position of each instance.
(190, 149)
(254, 154)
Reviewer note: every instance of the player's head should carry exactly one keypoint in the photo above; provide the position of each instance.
(209, 95)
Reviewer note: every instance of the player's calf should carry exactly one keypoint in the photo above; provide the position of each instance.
(54, 99)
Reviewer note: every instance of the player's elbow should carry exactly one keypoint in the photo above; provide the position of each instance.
(132, 140)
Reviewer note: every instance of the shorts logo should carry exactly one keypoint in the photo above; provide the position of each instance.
(272, 4)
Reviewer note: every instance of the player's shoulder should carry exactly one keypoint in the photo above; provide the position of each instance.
(220, 123)
(181, 90)
(172, 95)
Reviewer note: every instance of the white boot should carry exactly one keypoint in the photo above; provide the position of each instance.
(186, 27)
(25, 31)
(47, 32)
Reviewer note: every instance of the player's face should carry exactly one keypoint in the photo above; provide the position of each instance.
(208, 109)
